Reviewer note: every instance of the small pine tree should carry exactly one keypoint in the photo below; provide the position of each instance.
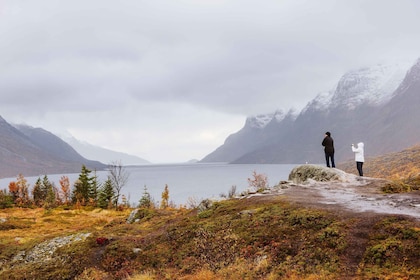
(49, 192)
(38, 194)
(145, 200)
(45, 185)
(77, 195)
(106, 195)
(82, 191)
(94, 189)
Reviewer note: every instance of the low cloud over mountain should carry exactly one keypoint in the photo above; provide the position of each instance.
(103, 155)
(376, 105)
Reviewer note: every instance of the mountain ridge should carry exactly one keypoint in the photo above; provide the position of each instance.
(364, 106)
(32, 152)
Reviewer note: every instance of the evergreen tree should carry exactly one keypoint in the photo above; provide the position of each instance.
(94, 190)
(49, 192)
(83, 187)
(77, 194)
(146, 199)
(38, 194)
(106, 195)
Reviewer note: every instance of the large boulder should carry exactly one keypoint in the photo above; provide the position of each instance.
(308, 173)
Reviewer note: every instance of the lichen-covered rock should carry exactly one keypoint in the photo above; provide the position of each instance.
(44, 251)
(132, 217)
(309, 172)
(204, 205)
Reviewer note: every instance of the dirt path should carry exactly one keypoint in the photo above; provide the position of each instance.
(364, 196)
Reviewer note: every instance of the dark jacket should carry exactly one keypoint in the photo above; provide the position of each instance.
(328, 143)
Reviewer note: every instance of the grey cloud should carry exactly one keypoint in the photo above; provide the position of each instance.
(231, 57)
(206, 53)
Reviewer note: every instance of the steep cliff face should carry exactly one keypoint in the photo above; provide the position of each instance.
(258, 131)
(245, 140)
(397, 123)
(369, 105)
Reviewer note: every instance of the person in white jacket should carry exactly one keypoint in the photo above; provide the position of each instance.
(359, 155)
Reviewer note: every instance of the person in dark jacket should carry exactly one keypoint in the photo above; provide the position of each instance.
(328, 144)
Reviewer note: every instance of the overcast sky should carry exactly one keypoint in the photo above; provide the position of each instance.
(168, 81)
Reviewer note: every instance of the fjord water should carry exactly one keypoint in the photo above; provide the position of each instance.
(199, 181)
(186, 182)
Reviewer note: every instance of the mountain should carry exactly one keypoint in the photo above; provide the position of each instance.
(258, 132)
(103, 155)
(375, 105)
(34, 151)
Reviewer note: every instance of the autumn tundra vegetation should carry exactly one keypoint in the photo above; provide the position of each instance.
(84, 233)
(86, 191)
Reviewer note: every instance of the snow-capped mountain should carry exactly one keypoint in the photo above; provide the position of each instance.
(262, 120)
(321, 102)
(369, 104)
(374, 86)
(412, 77)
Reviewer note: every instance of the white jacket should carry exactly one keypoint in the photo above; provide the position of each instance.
(359, 153)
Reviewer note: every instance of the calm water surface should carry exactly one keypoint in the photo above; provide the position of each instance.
(186, 182)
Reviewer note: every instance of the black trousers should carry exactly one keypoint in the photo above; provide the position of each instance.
(359, 166)
(328, 157)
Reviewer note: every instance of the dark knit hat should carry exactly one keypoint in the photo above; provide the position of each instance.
(328, 133)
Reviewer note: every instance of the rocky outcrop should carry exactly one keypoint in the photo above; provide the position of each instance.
(308, 173)
(320, 186)
(132, 217)
(44, 251)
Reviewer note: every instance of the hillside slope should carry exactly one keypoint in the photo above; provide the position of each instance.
(262, 237)
(33, 152)
(391, 166)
